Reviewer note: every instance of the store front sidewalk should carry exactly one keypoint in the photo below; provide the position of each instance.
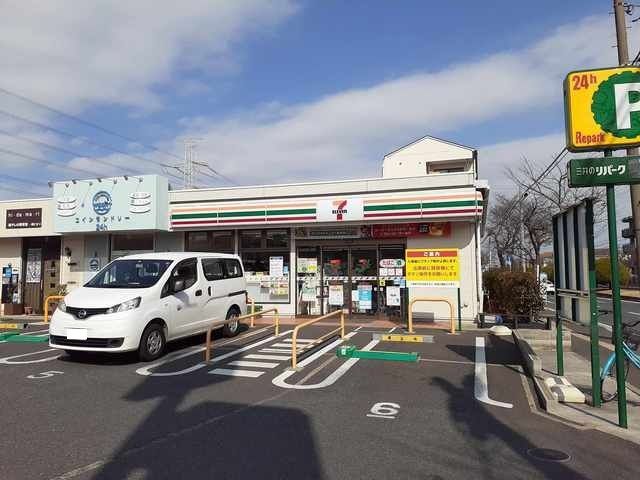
(22, 318)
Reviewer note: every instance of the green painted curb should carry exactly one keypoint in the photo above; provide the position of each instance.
(349, 351)
(28, 338)
(5, 335)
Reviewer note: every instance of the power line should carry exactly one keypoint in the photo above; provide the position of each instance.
(62, 150)
(206, 165)
(46, 162)
(100, 128)
(83, 139)
(86, 123)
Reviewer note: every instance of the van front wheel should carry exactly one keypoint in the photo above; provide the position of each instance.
(232, 328)
(152, 343)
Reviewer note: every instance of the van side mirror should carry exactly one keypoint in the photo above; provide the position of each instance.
(177, 284)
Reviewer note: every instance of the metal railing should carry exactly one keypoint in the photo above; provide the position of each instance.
(46, 305)
(294, 336)
(431, 299)
(220, 323)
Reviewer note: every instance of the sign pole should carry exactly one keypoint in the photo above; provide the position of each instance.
(459, 312)
(615, 293)
(593, 307)
(558, 284)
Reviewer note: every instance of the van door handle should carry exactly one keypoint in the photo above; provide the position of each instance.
(198, 293)
(209, 291)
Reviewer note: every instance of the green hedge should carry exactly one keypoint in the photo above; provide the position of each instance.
(512, 293)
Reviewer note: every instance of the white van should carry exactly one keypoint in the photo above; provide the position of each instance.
(139, 302)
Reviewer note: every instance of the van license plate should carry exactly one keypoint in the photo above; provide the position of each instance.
(76, 333)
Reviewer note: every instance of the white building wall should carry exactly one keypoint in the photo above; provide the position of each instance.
(462, 237)
(72, 267)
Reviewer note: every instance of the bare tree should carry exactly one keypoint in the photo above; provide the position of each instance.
(501, 227)
(553, 190)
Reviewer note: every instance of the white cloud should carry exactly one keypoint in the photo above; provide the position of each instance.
(347, 133)
(76, 54)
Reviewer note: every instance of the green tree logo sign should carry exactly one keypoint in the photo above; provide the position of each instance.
(616, 105)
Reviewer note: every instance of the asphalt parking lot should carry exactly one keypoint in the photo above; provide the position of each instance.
(245, 415)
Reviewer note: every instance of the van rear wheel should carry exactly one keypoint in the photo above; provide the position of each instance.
(232, 328)
(152, 343)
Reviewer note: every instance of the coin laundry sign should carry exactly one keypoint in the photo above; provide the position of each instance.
(111, 204)
(602, 109)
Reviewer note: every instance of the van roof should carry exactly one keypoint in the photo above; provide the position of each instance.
(177, 255)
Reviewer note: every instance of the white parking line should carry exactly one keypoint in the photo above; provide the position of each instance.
(236, 372)
(634, 313)
(299, 340)
(331, 379)
(9, 360)
(244, 363)
(146, 371)
(481, 387)
(275, 350)
(267, 357)
(282, 345)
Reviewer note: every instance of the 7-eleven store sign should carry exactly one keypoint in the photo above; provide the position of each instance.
(340, 210)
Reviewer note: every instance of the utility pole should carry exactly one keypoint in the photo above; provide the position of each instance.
(522, 259)
(188, 169)
(620, 10)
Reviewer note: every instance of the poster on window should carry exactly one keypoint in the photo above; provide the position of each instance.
(393, 296)
(307, 265)
(365, 294)
(309, 290)
(336, 295)
(34, 265)
(276, 266)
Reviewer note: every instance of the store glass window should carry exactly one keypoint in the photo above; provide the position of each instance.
(210, 241)
(125, 242)
(197, 241)
(267, 266)
(277, 238)
(251, 239)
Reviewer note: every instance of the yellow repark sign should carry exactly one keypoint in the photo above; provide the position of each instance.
(602, 109)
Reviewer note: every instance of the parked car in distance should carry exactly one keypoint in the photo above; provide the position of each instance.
(550, 287)
(141, 302)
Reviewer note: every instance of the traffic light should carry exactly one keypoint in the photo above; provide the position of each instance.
(628, 231)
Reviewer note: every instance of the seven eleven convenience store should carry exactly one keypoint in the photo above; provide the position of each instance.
(313, 248)
(307, 248)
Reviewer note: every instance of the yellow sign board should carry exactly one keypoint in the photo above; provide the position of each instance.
(433, 267)
(602, 109)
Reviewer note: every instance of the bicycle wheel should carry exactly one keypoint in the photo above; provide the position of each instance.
(609, 385)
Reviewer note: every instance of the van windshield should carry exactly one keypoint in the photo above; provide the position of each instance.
(129, 274)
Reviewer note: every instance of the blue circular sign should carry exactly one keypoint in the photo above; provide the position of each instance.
(102, 202)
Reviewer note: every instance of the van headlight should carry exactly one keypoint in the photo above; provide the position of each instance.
(62, 306)
(124, 306)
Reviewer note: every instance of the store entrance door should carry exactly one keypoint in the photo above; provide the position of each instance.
(363, 293)
(335, 279)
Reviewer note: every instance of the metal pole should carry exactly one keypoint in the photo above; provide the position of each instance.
(615, 293)
(556, 278)
(459, 312)
(623, 59)
(593, 307)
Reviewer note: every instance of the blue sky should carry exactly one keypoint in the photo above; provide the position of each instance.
(289, 90)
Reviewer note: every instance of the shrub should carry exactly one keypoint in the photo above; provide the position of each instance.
(603, 272)
(513, 292)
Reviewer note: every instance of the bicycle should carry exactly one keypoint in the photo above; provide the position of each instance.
(630, 344)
